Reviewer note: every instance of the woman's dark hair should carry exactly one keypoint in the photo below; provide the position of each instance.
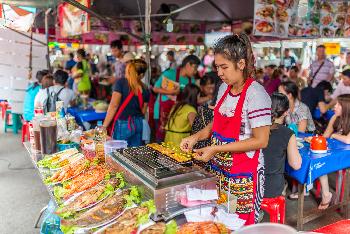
(206, 79)
(191, 59)
(280, 104)
(82, 53)
(325, 85)
(80, 66)
(47, 81)
(277, 73)
(39, 76)
(237, 47)
(295, 68)
(189, 96)
(117, 44)
(342, 123)
(291, 88)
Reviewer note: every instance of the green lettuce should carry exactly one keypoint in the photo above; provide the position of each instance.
(47, 181)
(142, 219)
(122, 182)
(171, 227)
(108, 176)
(58, 193)
(66, 215)
(109, 189)
(133, 197)
(68, 229)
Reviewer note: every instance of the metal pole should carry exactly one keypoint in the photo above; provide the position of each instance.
(47, 12)
(148, 8)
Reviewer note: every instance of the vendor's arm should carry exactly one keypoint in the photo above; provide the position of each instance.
(259, 140)
(188, 142)
(293, 155)
(112, 108)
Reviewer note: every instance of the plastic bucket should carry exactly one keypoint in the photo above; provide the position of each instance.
(62, 147)
(113, 145)
(266, 228)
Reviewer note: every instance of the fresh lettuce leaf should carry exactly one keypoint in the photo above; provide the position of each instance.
(171, 227)
(68, 229)
(108, 176)
(142, 219)
(133, 197)
(58, 193)
(67, 215)
(122, 182)
(48, 180)
(109, 189)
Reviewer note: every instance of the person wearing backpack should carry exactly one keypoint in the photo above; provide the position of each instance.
(125, 114)
(58, 92)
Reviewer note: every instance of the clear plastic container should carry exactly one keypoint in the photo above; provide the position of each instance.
(113, 145)
(266, 228)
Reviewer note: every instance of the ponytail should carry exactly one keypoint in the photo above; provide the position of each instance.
(133, 73)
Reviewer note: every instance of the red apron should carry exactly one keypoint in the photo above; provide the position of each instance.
(237, 172)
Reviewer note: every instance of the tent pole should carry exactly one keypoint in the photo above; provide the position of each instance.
(148, 9)
(47, 12)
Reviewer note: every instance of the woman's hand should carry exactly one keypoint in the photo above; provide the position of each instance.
(205, 154)
(188, 143)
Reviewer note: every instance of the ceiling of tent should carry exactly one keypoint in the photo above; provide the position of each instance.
(203, 11)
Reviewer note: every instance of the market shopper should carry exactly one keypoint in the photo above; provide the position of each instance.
(299, 114)
(282, 147)
(207, 88)
(128, 106)
(343, 87)
(288, 61)
(271, 85)
(294, 77)
(240, 129)
(168, 86)
(63, 94)
(182, 115)
(339, 129)
(81, 74)
(322, 68)
(31, 92)
(170, 55)
(119, 65)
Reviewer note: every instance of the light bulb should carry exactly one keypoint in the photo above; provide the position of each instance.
(169, 25)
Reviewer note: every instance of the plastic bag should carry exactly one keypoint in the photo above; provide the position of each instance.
(62, 132)
(146, 131)
(51, 222)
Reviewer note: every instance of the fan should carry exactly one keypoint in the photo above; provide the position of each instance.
(167, 9)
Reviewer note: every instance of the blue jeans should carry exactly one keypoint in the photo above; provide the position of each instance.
(129, 130)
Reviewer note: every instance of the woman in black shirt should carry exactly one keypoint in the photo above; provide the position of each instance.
(282, 145)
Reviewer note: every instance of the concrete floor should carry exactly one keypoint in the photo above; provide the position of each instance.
(22, 194)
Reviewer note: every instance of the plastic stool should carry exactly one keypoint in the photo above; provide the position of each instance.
(340, 227)
(4, 106)
(25, 131)
(276, 208)
(16, 121)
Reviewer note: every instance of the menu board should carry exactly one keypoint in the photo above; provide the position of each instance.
(324, 18)
(272, 17)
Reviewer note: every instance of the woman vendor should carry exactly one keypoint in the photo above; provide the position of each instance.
(240, 129)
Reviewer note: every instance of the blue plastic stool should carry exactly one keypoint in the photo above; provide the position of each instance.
(16, 122)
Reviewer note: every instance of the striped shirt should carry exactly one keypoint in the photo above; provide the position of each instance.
(324, 73)
(256, 109)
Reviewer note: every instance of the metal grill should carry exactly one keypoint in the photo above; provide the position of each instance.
(156, 163)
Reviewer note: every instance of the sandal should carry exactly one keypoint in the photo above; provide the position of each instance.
(324, 206)
(295, 196)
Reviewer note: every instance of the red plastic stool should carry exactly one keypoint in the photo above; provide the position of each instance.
(276, 208)
(25, 131)
(4, 107)
(340, 227)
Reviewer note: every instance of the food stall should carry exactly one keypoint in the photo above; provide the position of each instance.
(100, 186)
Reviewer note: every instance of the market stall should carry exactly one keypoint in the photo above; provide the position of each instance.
(99, 186)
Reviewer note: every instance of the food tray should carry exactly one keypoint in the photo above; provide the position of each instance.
(74, 158)
(72, 177)
(71, 199)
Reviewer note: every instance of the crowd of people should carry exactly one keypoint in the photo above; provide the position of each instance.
(236, 118)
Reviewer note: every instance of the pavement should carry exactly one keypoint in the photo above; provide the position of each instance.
(23, 195)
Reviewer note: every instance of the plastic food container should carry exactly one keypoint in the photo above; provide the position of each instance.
(113, 145)
(62, 147)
